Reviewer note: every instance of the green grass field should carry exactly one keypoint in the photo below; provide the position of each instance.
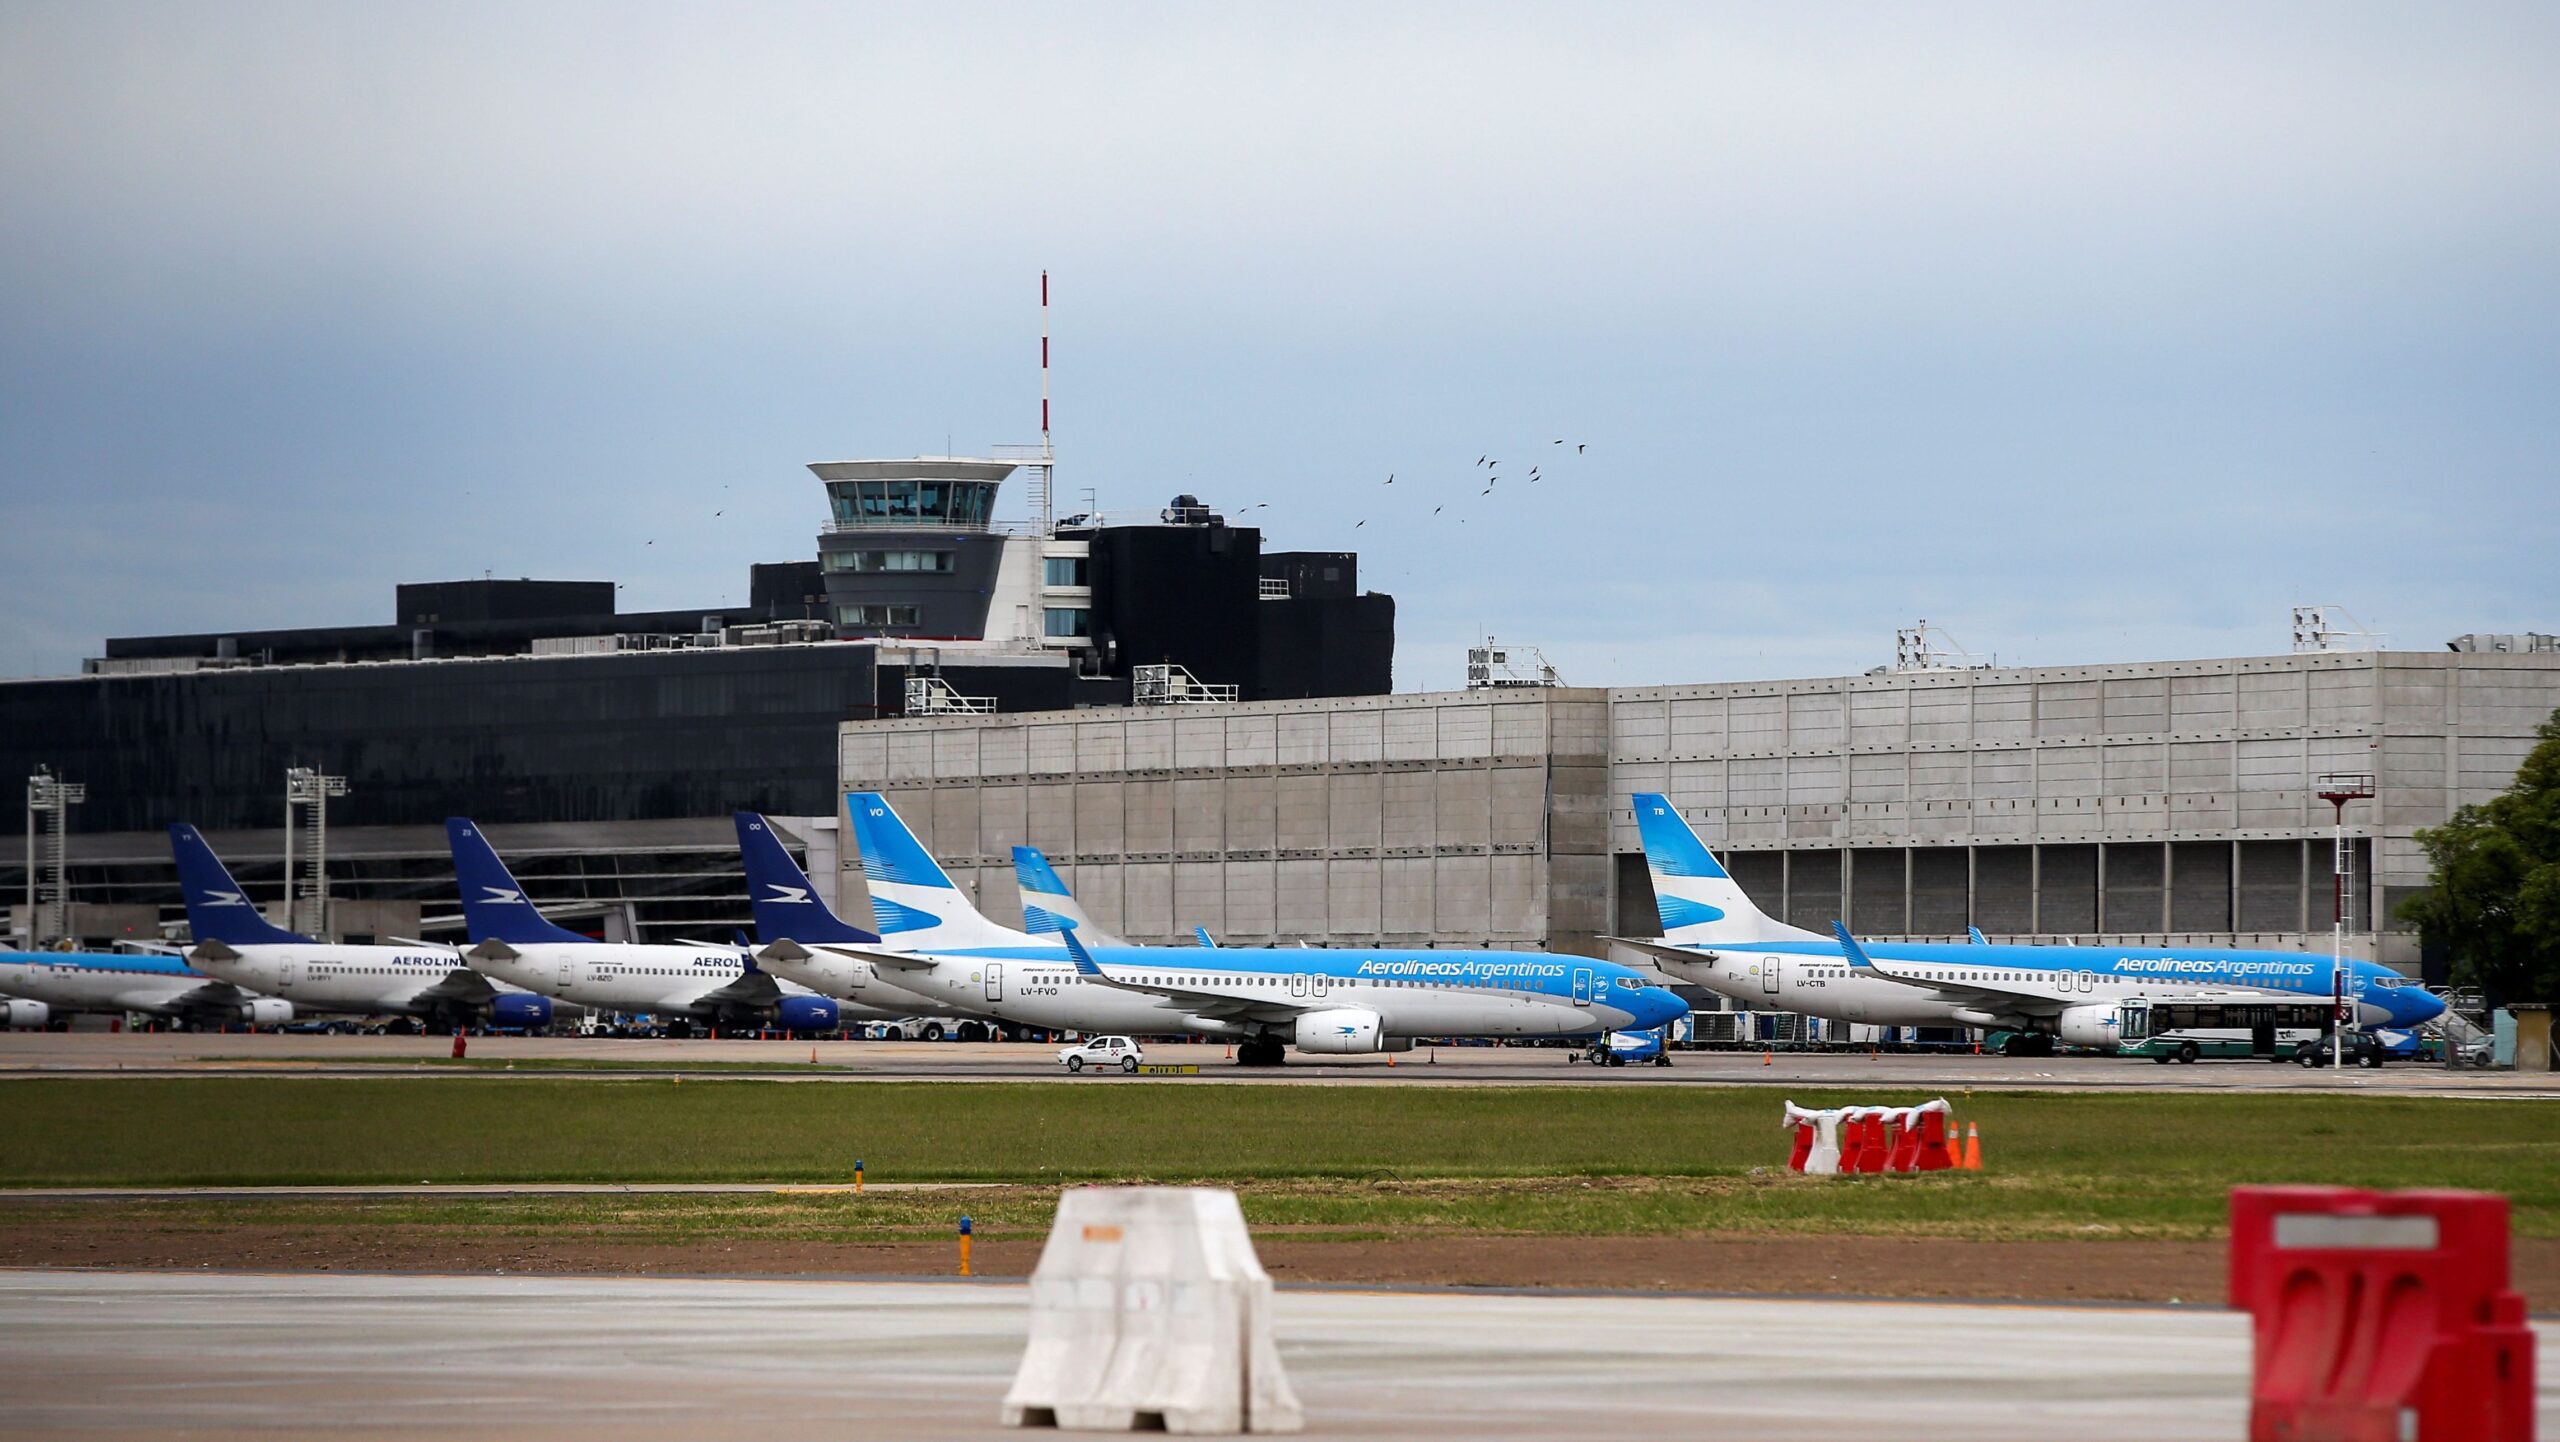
(1657, 1158)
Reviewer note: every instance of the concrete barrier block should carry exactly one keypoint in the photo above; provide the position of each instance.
(1150, 1310)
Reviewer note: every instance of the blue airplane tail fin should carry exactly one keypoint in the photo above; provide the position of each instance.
(494, 907)
(1698, 900)
(217, 909)
(1047, 906)
(787, 907)
(913, 901)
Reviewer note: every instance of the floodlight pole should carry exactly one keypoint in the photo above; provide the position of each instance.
(2338, 789)
(307, 791)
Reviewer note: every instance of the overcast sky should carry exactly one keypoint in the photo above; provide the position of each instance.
(2089, 333)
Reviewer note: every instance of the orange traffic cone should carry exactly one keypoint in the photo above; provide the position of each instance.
(1768, 1058)
(1391, 1058)
(1231, 1053)
(1972, 1149)
(813, 1056)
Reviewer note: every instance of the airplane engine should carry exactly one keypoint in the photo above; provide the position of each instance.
(2089, 1024)
(25, 1014)
(1343, 1030)
(809, 1013)
(515, 1008)
(266, 1011)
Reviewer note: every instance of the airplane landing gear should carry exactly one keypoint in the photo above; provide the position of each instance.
(1260, 1051)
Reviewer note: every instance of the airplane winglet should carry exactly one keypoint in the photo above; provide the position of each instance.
(1206, 940)
(1978, 938)
(1856, 954)
(1085, 964)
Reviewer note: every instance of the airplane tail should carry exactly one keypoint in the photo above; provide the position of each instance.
(1699, 902)
(1047, 905)
(913, 902)
(786, 905)
(217, 909)
(494, 907)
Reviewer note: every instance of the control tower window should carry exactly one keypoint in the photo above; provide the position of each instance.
(867, 562)
(895, 503)
(1066, 621)
(1063, 571)
(879, 615)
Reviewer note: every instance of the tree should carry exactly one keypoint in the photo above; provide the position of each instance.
(2494, 898)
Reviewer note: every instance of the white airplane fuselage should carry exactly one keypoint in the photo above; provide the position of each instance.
(633, 977)
(323, 977)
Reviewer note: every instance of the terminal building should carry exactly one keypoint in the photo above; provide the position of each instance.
(609, 748)
(2168, 802)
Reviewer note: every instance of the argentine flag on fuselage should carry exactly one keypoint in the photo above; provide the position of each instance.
(913, 901)
(1697, 900)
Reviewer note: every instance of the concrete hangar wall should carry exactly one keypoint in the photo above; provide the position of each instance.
(2151, 800)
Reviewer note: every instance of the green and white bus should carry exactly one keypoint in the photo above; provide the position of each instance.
(2168, 1031)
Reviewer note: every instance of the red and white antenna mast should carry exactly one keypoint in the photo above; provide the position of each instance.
(1040, 473)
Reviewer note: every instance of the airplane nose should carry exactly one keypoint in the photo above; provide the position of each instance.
(1662, 1007)
(2420, 1007)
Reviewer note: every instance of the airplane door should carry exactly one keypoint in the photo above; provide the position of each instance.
(1324, 983)
(1582, 986)
(995, 981)
(1298, 984)
(288, 971)
(1769, 976)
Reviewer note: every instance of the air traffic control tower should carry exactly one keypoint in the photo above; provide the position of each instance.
(913, 557)
(912, 550)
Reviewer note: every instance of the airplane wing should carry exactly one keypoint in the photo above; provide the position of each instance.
(752, 988)
(1664, 951)
(1988, 996)
(460, 984)
(890, 961)
(213, 996)
(1215, 1006)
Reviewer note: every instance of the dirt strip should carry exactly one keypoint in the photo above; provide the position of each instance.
(1843, 1266)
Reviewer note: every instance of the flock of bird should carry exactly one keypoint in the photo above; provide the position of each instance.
(1491, 465)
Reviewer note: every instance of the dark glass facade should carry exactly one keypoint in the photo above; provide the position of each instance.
(571, 738)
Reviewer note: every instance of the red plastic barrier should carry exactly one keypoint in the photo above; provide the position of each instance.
(1804, 1146)
(1853, 1143)
(1934, 1156)
(1872, 1147)
(1906, 1144)
(2380, 1316)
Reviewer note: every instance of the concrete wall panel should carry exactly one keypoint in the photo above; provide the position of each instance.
(1356, 810)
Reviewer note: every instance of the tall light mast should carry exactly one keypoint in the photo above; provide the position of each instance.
(48, 855)
(306, 798)
(2338, 788)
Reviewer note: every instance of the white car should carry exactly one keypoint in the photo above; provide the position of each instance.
(1102, 1051)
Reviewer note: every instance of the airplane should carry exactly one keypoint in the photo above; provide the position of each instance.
(715, 985)
(1332, 1002)
(36, 984)
(804, 940)
(1715, 937)
(233, 943)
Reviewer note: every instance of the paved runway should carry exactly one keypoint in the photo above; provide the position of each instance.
(39, 1053)
(382, 1357)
